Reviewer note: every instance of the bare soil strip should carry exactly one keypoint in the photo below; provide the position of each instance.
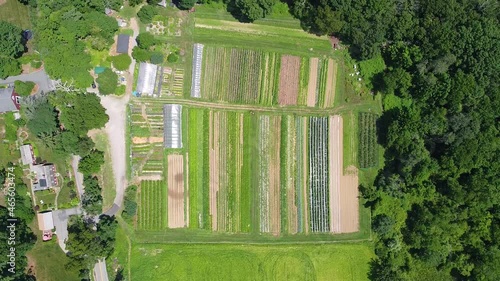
(274, 176)
(313, 81)
(140, 140)
(335, 155)
(349, 201)
(330, 83)
(289, 80)
(305, 174)
(214, 169)
(176, 218)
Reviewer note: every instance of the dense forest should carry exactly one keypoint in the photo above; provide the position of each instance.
(436, 204)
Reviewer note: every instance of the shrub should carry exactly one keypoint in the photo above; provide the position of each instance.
(140, 54)
(156, 58)
(146, 13)
(107, 82)
(121, 62)
(145, 40)
(23, 88)
(36, 64)
(172, 58)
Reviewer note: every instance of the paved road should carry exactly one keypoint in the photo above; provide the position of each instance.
(100, 272)
(40, 77)
(78, 176)
(61, 218)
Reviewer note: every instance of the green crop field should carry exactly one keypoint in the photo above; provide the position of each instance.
(152, 205)
(251, 262)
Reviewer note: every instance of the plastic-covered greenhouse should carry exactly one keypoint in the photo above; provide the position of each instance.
(172, 130)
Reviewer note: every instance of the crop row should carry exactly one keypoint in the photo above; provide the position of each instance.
(367, 140)
(152, 206)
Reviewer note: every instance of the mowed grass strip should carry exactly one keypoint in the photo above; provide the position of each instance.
(16, 13)
(250, 262)
(196, 176)
(262, 37)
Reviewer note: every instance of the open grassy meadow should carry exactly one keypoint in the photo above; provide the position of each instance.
(16, 13)
(250, 262)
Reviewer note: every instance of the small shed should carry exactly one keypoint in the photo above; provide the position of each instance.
(27, 155)
(45, 221)
(122, 43)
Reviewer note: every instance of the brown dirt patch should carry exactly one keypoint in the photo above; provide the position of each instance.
(289, 80)
(112, 49)
(2, 2)
(176, 216)
(274, 176)
(344, 212)
(349, 209)
(214, 168)
(313, 81)
(138, 140)
(330, 83)
(335, 159)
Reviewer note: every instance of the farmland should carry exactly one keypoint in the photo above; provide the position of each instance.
(244, 173)
(236, 262)
(153, 206)
(368, 155)
(246, 76)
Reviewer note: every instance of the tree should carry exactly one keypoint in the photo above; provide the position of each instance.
(68, 142)
(251, 10)
(146, 13)
(153, 2)
(107, 82)
(80, 112)
(145, 40)
(121, 62)
(44, 120)
(172, 58)
(9, 67)
(92, 198)
(23, 88)
(92, 162)
(134, 3)
(11, 45)
(140, 54)
(186, 4)
(156, 58)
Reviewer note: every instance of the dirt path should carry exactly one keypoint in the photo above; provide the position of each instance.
(289, 80)
(330, 83)
(335, 157)
(313, 82)
(176, 218)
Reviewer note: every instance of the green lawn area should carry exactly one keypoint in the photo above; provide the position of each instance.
(250, 262)
(16, 13)
(48, 197)
(106, 176)
(50, 261)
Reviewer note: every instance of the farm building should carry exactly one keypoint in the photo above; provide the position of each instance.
(122, 44)
(9, 100)
(45, 221)
(147, 79)
(172, 132)
(197, 60)
(45, 176)
(27, 155)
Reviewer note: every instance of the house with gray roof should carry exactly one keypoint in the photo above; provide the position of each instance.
(27, 154)
(45, 176)
(9, 100)
(122, 44)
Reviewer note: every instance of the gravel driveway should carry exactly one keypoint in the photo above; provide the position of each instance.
(40, 77)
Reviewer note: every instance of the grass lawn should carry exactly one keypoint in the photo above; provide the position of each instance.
(106, 177)
(250, 262)
(16, 13)
(49, 260)
(48, 197)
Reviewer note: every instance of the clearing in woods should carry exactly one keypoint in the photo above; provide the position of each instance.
(289, 80)
(176, 207)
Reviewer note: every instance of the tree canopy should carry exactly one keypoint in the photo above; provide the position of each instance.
(11, 44)
(147, 12)
(23, 88)
(145, 40)
(92, 162)
(121, 62)
(107, 82)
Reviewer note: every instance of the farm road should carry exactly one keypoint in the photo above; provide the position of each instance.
(256, 108)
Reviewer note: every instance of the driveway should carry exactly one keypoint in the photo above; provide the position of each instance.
(61, 218)
(100, 272)
(78, 176)
(39, 77)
